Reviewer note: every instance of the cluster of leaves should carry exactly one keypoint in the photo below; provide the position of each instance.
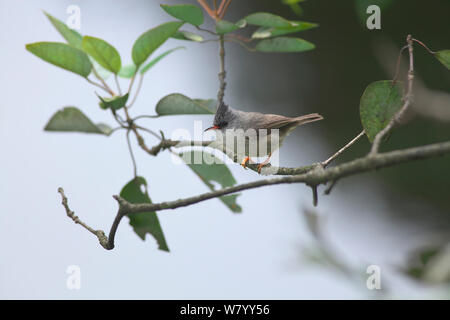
(89, 56)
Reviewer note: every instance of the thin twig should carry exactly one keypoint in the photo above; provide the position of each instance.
(141, 79)
(130, 149)
(145, 116)
(315, 197)
(98, 233)
(118, 84)
(222, 72)
(337, 154)
(97, 85)
(206, 30)
(108, 89)
(423, 45)
(222, 13)
(397, 66)
(205, 6)
(222, 5)
(407, 102)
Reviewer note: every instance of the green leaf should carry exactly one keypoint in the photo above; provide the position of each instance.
(209, 173)
(158, 58)
(176, 103)
(151, 40)
(267, 32)
(223, 26)
(71, 119)
(63, 56)
(379, 102)
(444, 57)
(144, 222)
(185, 12)
(186, 35)
(264, 19)
(114, 103)
(72, 37)
(284, 44)
(104, 53)
(127, 71)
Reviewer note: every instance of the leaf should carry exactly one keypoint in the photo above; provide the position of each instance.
(379, 102)
(71, 119)
(72, 37)
(186, 35)
(216, 172)
(264, 19)
(127, 71)
(158, 58)
(104, 53)
(185, 12)
(114, 103)
(63, 56)
(75, 39)
(144, 222)
(176, 103)
(267, 32)
(223, 26)
(284, 44)
(151, 40)
(444, 57)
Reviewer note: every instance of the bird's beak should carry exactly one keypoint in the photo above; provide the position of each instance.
(213, 127)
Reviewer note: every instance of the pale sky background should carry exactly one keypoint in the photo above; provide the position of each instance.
(214, 254)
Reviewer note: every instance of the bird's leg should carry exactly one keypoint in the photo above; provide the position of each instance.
(244, 162)
(264, 162)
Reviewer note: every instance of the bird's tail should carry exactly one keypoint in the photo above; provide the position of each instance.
(312, 117)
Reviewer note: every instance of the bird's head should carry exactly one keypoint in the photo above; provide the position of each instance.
(223, 118)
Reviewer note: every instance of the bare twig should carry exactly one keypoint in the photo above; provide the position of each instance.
(407, 102)
(205, 6)
(130, 149)
(397, 66)
(117, 84)
(141, 79)
(222, 72)
(108, 89)
(337, 154)
(222, 13)
(97, 85)
(102, 238)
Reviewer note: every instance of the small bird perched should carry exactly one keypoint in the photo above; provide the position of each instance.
(229, 120)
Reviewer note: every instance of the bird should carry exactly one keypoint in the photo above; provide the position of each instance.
(262, 126)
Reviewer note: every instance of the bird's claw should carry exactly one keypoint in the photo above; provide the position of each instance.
(244, 162)
(259, 167)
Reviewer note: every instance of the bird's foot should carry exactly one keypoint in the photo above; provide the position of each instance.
(244, 162)
(260, 166)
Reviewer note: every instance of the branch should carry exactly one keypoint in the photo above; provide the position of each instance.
(407, 102)
(312, 178)
(222, 72)
(210, 12)
(102, 238)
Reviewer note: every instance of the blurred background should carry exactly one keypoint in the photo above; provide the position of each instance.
(279, 247)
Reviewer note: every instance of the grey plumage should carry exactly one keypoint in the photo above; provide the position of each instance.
(228, 118)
